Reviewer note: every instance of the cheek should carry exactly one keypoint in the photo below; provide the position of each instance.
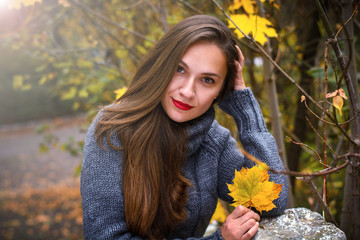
(206, 102)
(172, 86)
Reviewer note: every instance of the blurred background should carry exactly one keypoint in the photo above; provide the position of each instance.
(60, 60)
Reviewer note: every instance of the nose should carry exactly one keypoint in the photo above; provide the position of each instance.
(187, 89)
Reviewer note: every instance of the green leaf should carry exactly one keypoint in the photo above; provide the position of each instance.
(41, 68)
(121, 53)
(60, 65)
(70, 94)
(43, 80)
(43, 148)
(83, 93)
(18, 82)
(76, 106)
(82, 63)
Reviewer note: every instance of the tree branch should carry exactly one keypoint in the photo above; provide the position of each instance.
(335, 45)
(282, 71)
(105, 19)
(190, 6)
(322, 203)
(323, 172)
(252, 40)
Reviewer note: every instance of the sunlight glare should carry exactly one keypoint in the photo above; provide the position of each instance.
(3, 3)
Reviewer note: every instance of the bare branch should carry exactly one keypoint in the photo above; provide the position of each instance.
(342, 26)
(323, 172)
(286, 75)
(105, 19)
(322, 203)
(190, 6)
(162, 13)
(252, 40)
(107, 32)
(333, 124)
(307, 146)
(132, 5)
(318, 134)
(354, 105)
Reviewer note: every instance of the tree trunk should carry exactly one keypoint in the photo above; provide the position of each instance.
(308, 38)
(350, 210)
(275, 114)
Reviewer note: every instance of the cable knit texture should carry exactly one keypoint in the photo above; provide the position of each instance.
(212, 159)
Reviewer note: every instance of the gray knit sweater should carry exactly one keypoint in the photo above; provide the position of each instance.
(212, 159)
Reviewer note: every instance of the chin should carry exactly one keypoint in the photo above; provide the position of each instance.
(179, 119)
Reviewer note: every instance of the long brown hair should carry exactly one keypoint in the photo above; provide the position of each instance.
(155, 147)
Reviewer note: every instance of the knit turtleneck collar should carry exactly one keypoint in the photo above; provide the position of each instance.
(198, 128)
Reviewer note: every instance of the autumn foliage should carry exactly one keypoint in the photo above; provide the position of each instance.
(251, 188)
(86, 49)
(53, 213)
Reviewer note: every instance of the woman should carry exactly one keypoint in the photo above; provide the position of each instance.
(156, 162)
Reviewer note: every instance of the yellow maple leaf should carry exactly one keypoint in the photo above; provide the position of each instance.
(246, 4)
(260, 28)
(119, 92)
(252, 188)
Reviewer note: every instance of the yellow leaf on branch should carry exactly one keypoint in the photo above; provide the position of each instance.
(260, 28)
(338, 96)
(252, 188)
(303, 98)
(342, 93)
(338, 102)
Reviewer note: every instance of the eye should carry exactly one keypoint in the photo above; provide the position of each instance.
(208, 80)
(180, 69)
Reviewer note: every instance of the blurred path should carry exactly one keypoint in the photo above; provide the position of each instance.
(24, 167)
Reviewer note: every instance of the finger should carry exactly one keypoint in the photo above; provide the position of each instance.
(238, 70)
(248, 216)
(256, 216)
(239, 80)
(241, 56)
(252, 231)
(239, 211)
(238, 67)
(244, 228)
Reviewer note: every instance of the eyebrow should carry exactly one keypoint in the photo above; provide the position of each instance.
(205, 73)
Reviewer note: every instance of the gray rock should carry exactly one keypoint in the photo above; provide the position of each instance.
(297, 223)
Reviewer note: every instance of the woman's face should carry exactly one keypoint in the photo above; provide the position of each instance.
(196, 83)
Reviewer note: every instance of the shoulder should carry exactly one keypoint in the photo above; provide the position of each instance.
(217, 131)
(91, 136)
(218, 135)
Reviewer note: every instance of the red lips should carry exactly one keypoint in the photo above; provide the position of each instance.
(181, 105)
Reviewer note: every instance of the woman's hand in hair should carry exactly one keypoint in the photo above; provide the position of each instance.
(239, 80)
(242, 224)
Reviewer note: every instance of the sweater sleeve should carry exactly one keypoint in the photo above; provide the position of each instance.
(256, 140)
(101, 191)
